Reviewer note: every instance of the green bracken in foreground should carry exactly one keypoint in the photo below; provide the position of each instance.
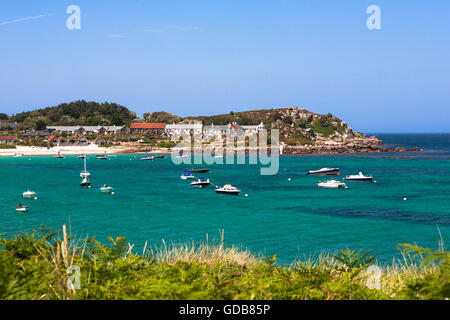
(38, 266)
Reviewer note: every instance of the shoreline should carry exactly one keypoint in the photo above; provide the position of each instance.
(284, 150)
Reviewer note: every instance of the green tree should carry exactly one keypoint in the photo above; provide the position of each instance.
(116, 120)
(40, 125)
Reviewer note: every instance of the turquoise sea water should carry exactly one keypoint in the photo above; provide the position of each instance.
(290, 218)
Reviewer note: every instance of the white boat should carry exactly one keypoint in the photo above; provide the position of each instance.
(187, 175)
(58, 156)
(22, 208)
(200, 183)
(84, 173)
(182, 156)
(29, 194)
(106, 189)
(148, 158)
(82, 156)
(331, 184)
(102, 157)
(358, 177)
(324, 171)
(228, 189)
(85, 182)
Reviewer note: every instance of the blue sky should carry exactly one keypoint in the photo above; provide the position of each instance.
(211, 57)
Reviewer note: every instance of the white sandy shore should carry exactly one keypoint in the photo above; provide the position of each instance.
(64, 150)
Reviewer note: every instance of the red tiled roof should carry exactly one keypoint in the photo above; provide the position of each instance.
(7, 138)
(140, 125)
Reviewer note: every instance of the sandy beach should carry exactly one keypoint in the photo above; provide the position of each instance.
(64, 150)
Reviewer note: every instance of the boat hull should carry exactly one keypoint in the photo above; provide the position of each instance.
(329, 172)
(331, 186)
(359, 179)
(231, 193)
(200, 185)
(29, 195)
(199, 170)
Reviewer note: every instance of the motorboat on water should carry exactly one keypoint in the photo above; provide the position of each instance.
(29, 194)
(228, 189)
(187, 175)
(102, 157)
(358, 177)
(200, 183)
(106, 189)
(182, 156)
(159, 157)
(148, 158)
(58, 156)
(325, 171)
(82, 156)
(331, 184)
(202, 170)
(22, 208)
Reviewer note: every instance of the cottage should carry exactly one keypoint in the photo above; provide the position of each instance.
(87, 129)
(7, 139)
(141, 127)
(65, 129)
(52, 139)
(82, 141)
(178, 130)
(35, 133)
(99, 140)
(8, 126)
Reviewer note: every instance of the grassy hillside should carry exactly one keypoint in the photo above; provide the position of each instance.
(296, 126)
(34, 266)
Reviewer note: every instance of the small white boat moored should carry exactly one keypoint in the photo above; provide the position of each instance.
(106, 189)
(200, 183)
(228, 189)
(358, 177)
(331, 184)
(325, 171)
(22, 208)
(29, 194)
(187, 175)
(148, 158)
(58, 156)
(85, 182)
